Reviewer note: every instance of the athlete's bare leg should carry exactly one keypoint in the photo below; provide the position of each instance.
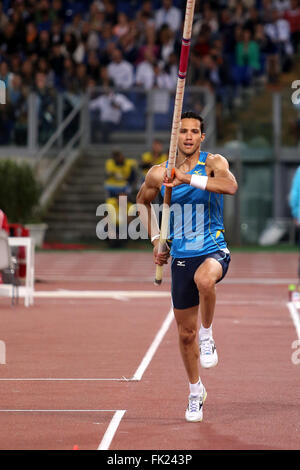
(206, 276)
(187, 323)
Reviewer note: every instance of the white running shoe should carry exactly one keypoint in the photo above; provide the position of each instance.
(194, 411)
(208, 353)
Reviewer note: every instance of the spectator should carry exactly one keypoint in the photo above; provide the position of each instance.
(163, 79)
(69, 45)
(90, 37)
(267, 10)
(110, 11)
(227, 31)
(27, 73)
(217, 76)
(31, 39)
(168, 14)
(252, 20)
(270, 64)
(172, 67)
(120, 174)
(75, 27)
(44, 43)
(56, 60)
(106, 114)
(43, 66)
(56, 33)
(96, 16)
(239, 14)
(167, 43)
(120, 71)
(20, 27)
(145, 75)
(81, 78)
(46, 106)
(105, 80)
(282, 5)
(292, 15)
(3, 17)
(278, 30)
(128, 45)
(38, 36)
(247, 59)
(14, 90)
(208, 18)
(201, 47)
(155, 156)
(93, 65)
(149, 43)
(42, 16)
(9, 45)
(145, 17)
(15, 63)
(57, 13)
(107, 36)
(122, 26)
(5, 75)
(16, 100)
(68, 77)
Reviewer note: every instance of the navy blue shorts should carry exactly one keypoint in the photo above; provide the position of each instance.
(185, 293)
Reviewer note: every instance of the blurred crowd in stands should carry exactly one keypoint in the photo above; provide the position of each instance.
(74, 46)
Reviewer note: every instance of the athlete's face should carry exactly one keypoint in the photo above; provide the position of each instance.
(190, 137)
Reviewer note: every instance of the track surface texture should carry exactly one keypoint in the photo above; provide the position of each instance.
(95, 361)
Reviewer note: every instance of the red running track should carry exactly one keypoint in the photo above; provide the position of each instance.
(70, 359)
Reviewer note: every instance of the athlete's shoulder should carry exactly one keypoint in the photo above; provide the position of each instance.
(155, 175)
(215, 159)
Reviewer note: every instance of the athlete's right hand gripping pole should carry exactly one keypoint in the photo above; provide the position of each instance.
(184, 56)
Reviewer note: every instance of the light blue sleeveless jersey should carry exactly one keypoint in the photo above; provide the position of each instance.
(196, 219)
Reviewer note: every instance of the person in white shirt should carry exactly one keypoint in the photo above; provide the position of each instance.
(282, 5)
(145, 71)
(107, 111)
(168, 14)
(278, 30)
(120, 71)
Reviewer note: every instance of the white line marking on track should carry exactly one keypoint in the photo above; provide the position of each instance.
(54, 411)
(295, 316)
(111, 430)
(156, 342)
(118, 295)
(109, 433)
(141, 368)
(117, 279)
(54, 379)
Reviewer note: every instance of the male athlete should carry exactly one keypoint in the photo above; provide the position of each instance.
(200, 256)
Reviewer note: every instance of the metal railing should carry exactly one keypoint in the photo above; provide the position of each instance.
(55, 158)
(256, 143)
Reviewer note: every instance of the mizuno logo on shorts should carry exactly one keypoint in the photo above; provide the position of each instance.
(180, 263)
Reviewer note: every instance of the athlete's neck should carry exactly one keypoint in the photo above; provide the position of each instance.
(187, 162)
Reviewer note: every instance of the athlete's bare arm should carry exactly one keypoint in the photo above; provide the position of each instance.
(147, 193)
(220, 178)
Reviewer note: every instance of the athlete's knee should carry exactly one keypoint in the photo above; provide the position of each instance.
(205, 284)
(187, 335)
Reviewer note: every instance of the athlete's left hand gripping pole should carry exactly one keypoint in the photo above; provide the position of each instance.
(184, 56)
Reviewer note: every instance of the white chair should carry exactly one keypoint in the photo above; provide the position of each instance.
(8, 266)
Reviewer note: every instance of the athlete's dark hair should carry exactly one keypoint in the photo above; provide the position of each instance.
(193, 115)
